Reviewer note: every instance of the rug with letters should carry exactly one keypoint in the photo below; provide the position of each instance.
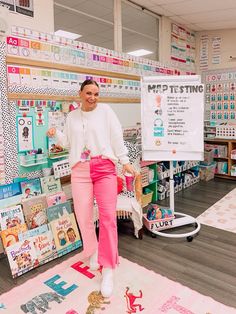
(222, 214)
(71, 288)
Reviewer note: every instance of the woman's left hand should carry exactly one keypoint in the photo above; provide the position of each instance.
(129, 168)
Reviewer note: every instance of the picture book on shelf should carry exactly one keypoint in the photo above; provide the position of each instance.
(11, 235)
(50, 184)
(35, 211)
(22, 257)
(56, 198)
(66, 234)
(30, 188)
(45, 246)
(33, 232)
(59, 210)
(10, 201)
(11, 217)
(9, 190)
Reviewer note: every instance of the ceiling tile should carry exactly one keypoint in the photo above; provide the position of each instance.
(159, 10)
(93, 8)
(92, 28)
(67, 19)
(69, 3)
(199, 6)
(215, 25)
(218, 15)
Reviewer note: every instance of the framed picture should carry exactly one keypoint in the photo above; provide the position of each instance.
(25, 133)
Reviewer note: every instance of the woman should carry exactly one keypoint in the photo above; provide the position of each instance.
(94, 138)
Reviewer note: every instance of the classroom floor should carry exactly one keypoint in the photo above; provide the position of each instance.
(207, 264)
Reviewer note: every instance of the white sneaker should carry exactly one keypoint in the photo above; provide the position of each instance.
(93, 261)
(107, 282)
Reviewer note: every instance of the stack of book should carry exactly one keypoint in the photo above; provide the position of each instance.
(41, 227)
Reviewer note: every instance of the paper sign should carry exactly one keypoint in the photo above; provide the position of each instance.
(172, 117)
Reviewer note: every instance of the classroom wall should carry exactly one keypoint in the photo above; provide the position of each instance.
(128, 114)
(165, 40)
(43, 19)
(228, 48)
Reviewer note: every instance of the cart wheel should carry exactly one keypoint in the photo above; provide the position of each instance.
(189, 239)
(153, 235)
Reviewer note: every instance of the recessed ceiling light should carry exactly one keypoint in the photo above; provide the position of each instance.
(65, 34)
(140, 52)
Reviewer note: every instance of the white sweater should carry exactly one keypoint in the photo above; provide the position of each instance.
(99, 130)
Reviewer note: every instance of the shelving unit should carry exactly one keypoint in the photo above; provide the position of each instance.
(209, 130)
(153, 185)
(231, 145)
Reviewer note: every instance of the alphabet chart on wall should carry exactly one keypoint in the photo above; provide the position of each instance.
(220, 95)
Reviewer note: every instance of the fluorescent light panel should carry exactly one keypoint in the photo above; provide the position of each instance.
(65, 34)
(140, 52)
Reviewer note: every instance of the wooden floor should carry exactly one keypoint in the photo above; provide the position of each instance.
(207, 265)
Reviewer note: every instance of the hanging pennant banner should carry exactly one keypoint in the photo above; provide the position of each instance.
(172, 117)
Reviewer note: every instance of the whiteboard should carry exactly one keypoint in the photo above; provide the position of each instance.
(172, 117)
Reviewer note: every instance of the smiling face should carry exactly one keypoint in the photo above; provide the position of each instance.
(89, 97)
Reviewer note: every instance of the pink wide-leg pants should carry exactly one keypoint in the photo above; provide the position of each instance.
(97, 178)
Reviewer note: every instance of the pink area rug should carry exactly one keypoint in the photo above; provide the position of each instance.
(70, 288)
(222, 214)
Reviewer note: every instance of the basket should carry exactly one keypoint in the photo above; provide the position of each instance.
(158, 224)
(207, 172)
(147, 197)
(208, 157)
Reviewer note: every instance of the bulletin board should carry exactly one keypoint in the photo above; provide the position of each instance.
(220, 95)
(36, 85)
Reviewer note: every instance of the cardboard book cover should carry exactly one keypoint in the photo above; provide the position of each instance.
(66, 234)
(55, 150)
(45, 246)
(10, 201)
(30, 188)
(35, 211)
(22, 257)
(9, 190)
(33, 232)
(50, 184)
(59, 210)
(11, 217)
(56, 198)
(11, 235)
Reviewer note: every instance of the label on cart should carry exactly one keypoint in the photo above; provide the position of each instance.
(160, 225)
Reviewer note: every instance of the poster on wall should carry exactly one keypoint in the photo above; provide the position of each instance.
(25, 133)
(172, 115)
(9, 3)
(25, 7)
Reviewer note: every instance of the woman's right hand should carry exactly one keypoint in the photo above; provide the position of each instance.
(51, 132)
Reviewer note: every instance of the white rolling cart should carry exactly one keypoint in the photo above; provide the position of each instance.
(172, 129)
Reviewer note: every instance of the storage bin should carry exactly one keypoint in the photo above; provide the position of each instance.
(208, 157)
(147, 197)
(158, 224)
(145, 176)
(207, 172)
